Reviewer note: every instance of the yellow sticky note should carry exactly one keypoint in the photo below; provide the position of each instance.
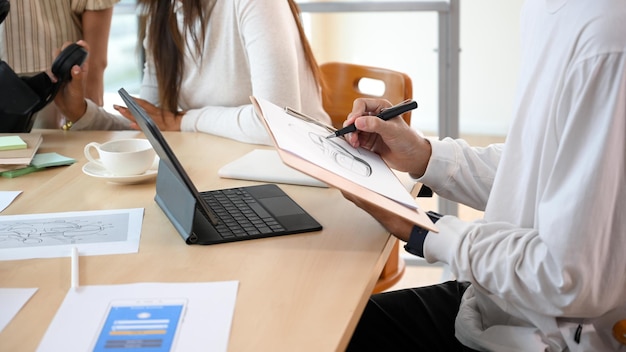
(12, 142)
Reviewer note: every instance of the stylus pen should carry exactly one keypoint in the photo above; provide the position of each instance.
(384, 114)
(74, 267)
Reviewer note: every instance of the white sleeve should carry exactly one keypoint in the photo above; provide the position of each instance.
(462, 173)
(149, 88)
(571, 263)
(96, 118)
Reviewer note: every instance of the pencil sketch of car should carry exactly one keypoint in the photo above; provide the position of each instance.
(341, 156)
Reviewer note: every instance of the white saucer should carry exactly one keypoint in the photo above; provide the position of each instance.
(95, 170)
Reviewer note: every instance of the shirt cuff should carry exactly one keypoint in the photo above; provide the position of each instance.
(88, 117)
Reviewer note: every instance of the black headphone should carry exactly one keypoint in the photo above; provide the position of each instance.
(73, 54)
(4, 9)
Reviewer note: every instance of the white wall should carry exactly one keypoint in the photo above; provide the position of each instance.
(408, 42)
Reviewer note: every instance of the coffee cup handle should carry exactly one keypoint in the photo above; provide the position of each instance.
(88, 155)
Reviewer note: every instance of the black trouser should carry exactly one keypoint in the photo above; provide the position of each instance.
(416, 319)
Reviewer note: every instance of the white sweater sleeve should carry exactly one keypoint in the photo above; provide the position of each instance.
(239, 123)
(96, 118)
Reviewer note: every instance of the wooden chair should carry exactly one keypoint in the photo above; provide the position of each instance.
(341, 86)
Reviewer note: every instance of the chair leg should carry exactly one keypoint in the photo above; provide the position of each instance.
(392, 271)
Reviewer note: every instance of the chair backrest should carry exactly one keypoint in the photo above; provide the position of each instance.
(341, 88)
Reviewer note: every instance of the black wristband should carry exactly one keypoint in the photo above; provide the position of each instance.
(415, 245)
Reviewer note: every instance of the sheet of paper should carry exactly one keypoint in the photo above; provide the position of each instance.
(11, 302)
(52, 235)
(309, 142)
(205, 325)
(6, 198)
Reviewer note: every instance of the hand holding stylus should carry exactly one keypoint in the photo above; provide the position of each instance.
(384, 114)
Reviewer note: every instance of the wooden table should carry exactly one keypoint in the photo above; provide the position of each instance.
(301, 292)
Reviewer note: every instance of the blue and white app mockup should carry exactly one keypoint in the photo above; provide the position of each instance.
(141, 325)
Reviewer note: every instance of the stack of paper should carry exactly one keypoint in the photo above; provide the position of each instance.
(13, 154)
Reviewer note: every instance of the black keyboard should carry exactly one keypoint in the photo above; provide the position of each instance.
(239, 214)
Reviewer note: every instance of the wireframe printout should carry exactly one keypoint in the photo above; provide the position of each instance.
(54, 234)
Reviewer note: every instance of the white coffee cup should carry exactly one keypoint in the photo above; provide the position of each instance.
(122, 157)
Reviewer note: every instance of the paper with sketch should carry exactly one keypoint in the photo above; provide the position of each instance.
(51, 235)
(202, 324)
(335, 162)
(11, 302)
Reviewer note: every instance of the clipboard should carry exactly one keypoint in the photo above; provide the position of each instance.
(356, 171)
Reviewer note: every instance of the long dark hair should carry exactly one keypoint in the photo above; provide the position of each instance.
(166, 44)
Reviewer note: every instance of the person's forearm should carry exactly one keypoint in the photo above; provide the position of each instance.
(96, 29)
(236, 122)
(97, 118)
